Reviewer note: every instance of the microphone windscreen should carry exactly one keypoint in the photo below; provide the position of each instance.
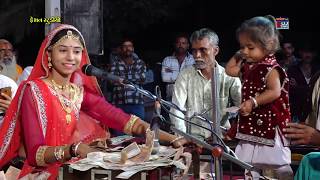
(91, 70)
(86, 69)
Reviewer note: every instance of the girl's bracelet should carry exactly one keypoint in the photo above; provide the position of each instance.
(255, 103)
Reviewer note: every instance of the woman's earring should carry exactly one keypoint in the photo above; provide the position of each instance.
(49, 62)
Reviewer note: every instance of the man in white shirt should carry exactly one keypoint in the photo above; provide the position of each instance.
(172, 65)
(192, 89)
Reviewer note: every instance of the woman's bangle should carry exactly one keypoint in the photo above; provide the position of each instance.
(40, 156)
(71, 150)
(176, 139)
(59, 153)
(128, 127)
(255, 103)
(76, 149)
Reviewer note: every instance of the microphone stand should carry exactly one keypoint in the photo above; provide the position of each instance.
(216, 151)
(151, 96)
(216, 121)
(154, 124)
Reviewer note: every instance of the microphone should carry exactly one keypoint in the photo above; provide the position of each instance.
(90, 70)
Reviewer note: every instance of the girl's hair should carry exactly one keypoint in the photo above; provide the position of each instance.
(63, 33)
(261, 30)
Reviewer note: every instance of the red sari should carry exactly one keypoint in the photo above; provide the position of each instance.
(36, 118)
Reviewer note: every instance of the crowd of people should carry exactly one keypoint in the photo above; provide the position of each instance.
(53, 112)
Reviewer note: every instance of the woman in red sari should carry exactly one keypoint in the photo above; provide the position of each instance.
(55, 112)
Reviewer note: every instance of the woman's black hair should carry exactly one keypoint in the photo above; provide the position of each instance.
(62, 33)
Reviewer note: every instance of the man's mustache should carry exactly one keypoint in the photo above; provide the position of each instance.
(199, 60)
(200, 63)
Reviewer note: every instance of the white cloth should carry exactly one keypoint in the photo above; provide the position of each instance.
(258, 154)
(192, 92)
(315, 113)
(172, 63)
(25, 74)
(7, 82)
(273, 172)
(318, 120)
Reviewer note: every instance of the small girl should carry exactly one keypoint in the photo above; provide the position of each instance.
(264, 111)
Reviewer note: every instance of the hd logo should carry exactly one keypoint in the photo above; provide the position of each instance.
(282, 23)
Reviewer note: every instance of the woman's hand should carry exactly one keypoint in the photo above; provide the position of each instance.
(83, 150)
(5, 102)
(179, 141)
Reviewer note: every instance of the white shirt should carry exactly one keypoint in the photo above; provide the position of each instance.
(192, 92)
(173, 63)
(25, 74)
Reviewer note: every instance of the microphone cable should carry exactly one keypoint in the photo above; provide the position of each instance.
(214, 133)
